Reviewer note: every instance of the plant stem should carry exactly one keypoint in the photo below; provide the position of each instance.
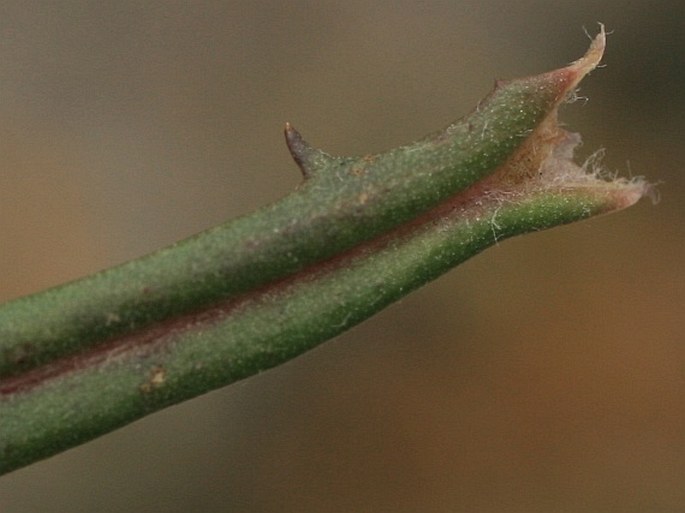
(83, 359)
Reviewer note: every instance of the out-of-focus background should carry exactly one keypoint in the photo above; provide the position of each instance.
(545, 375)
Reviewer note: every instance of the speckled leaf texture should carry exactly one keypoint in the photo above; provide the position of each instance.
(83, 359)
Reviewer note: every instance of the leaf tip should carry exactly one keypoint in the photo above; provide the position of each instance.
(625, 193)
(594, 54)
(558, 172)
(578, 69)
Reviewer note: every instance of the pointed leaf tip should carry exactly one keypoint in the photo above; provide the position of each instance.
(594, 54)
(560, 84)
(308, 158)
(581, 67)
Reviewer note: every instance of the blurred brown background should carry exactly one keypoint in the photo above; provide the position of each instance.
(545, 375)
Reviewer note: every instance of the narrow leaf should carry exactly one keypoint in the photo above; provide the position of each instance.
(81, 360)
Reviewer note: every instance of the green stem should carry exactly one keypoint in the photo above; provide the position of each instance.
(88, 357)
(342, 202)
